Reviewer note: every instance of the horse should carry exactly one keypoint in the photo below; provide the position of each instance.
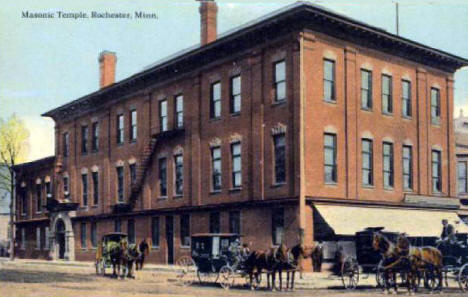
(259, 261)
(389, 253)
(116, 253)
(143, 248)
(131, 255)
(283, 262)
(298, 254)
(426, 258)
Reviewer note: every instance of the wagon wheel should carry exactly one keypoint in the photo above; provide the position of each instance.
(463, 278)
(100, 267)
(350, 273)
(186, 268)
(226, 277)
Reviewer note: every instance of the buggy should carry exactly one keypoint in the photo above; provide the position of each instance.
(103, 259)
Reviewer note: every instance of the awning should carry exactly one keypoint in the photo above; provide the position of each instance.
(347, 220)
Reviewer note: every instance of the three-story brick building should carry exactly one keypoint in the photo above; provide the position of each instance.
(303, 125)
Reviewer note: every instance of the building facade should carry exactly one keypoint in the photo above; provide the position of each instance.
(284, 130)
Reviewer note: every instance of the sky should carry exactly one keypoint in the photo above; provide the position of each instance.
(45, 63)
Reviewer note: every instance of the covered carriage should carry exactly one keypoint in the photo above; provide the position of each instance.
(103, 259)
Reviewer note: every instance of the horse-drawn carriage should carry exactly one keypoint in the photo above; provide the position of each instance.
(215, 257)
(103, 255)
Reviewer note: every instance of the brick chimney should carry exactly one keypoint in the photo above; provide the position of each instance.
(107, 61)
(208, 21)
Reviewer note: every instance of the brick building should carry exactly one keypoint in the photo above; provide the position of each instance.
(303, 125)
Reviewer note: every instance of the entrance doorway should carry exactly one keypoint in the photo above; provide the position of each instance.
(60, 237)
(170, 239)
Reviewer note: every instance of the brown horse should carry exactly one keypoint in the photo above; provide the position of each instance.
(261, 261)
(426, 259)
(389, 253)
(299, 254)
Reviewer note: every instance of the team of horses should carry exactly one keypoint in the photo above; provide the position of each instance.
(412, 263)
(125, 257)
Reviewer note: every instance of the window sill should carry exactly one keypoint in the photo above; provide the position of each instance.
(366, 109)
(279, 103)
(93, 249)
(404, 117)
(162, 198)
(155, 248)
(369, 187)
(185, 247)
(330, 101)
(214, 192)
(408, 191)
(215, 119)
(388, 114)
(83, 208)
(332, 184)
(277, 185)
(390, 189)
(180, 196)
(235, 114)
(435, 123)
(236, 189)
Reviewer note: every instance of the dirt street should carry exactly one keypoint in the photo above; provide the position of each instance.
(24, 280)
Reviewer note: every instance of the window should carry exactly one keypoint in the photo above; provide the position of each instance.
(214, 222)
(366, 89)
(387, 101)
(84, 188)
(83, 235)
(131, 231)
(132, 168)
(48, 190)
(387, 152)
(235, 94)
(94, 234)
(38, 238)
(461, 172)
(277, 225)
(118, 225)
(66, 186)
(236, 165)
(179, 174)
(120, 129)
(23, 239)
(66, 144)
(95, 140)
(163, 115)
(24, 201)
(155, 231)
(367, 163)
(280, 81)
(280, 158)
(215, 100)
(38, 198)
(435, 105)
(407, 167)
(185, 230)
(84, 139)
(133, 125)
(179, 111)
(406, 98)
(234, 222)
(46, 238)
(216, 168)
(95, 177)
(329, 147)
(329, 80)
(436, 172)
(120, 184)
(162, 177)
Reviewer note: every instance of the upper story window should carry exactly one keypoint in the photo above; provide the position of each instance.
(214, 222)
(120, 184)
(216, 168)
(436, 172)
(84, 188)
(48, 189)
(406, 98)
(39, 198)
(162, 177)
(366, 89)
(118, 225)
(279, 142)
(179, 111)
(329, 151)
(133, 125)
(329, 81)
(66, 144)
(95, 177)
(24, 201)
(132, 168)
(120, 129)
(236, 163)
(387, 154)
(407, 168)
(435, 105)
(279, 80)
(185, 230)
(84, 139)
(236, 94)
(461, 176)
(387, 100)
(277, 225)
(215, 100)
(66, 186)
(163, 115)
(179, 174)
(367, 162)
(95, 139)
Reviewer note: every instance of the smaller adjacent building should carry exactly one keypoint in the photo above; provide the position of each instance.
(461, 150)
(4, 216)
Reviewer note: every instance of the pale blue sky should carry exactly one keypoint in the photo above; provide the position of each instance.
(46, 63)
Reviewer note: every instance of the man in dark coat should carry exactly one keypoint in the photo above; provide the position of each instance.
(448, 232)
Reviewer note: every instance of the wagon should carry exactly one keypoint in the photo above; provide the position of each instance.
(455, 258)
(103, 259)
(211, 260)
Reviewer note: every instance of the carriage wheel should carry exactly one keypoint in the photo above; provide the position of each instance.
(463, 278)
(100, 267)
(186, 268)
(350, 273)
(226, 277)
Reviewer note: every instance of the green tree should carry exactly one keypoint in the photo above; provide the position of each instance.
(14, 149)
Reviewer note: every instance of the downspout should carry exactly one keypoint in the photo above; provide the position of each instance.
(302, 194)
